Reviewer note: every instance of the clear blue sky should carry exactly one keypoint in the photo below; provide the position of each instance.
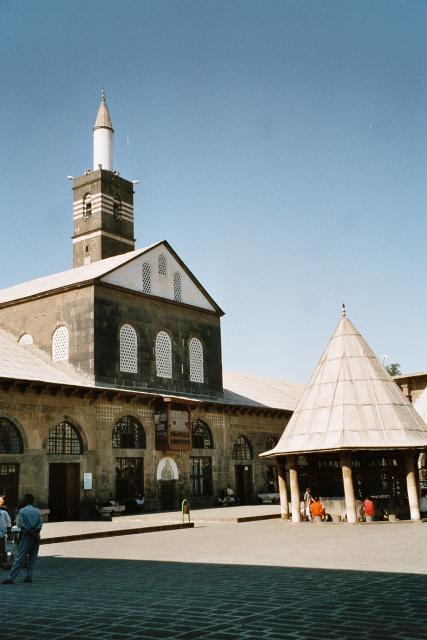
(281, 148)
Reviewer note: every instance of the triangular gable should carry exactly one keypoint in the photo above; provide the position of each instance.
(351, 402)
(130, 276)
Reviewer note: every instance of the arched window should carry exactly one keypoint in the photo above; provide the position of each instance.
(201, 437)
(162, 265)
(87, 206)
(242, 449)
(26, 338)
(196, 360)
(64, 439)
(60, 344)
(10, 438)
(128, 349)
(271, 443)
(128, 433)
(146, 277)
(163, 355)
(177, 294)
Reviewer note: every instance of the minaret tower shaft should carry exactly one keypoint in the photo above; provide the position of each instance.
(102, 201)
(103, 138)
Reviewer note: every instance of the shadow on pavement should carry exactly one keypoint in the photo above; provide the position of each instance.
(92, 598)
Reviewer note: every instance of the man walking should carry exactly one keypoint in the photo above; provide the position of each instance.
(30, 522)
(5, 525)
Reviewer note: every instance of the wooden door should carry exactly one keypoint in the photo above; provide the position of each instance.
(64, 491)
(168, 494)
(9, 485)
(243, 477)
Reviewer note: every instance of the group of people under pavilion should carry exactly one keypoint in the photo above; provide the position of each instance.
(353, 435)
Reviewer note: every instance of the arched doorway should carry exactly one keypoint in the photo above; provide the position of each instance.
(243, 455)
(167, 474)
(64, 441)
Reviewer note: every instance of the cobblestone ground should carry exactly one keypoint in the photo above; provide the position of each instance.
(85, 590)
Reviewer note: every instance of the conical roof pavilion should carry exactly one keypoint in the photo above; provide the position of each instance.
(351, 403)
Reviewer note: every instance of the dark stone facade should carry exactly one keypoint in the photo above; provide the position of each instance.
(114, 307)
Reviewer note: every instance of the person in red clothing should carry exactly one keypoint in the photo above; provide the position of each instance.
(317, 510)
(368, 509)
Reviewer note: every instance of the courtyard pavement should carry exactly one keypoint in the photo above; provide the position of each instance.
(136, 522)
(223, 581)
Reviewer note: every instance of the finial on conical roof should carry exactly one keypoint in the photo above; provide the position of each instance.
(103, 119)
(344, 311)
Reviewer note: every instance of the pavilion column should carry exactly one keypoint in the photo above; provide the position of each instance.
(283, 489)
(411, 485)
(347, 476)
(293, 481)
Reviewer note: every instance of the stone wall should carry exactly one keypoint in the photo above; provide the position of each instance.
(35, 411)
(412, 385)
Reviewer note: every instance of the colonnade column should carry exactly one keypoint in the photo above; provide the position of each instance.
(347, 476)
(293, 481)
(283, 489)
(411, 485)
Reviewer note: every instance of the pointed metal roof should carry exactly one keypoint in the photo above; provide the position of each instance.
(103, 119)
(351, 402)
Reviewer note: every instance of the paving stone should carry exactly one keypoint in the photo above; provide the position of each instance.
(87, 590)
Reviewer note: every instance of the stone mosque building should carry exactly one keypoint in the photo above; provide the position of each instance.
(111, 386)
(111, 382)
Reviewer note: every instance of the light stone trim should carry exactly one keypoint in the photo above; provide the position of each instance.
(95, 234)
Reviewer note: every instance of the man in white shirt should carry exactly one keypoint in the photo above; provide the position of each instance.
(5, 525)
(30, 522)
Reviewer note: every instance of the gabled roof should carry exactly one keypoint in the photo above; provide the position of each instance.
(253, 391)
(87, 274)
(351, 402)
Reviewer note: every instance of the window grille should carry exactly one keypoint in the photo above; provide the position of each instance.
(10, 438)
(271, 443)
(128, 349)
(272, 479)
(146, 277)
(163, 355)
(64, 439)
(129, 478)
(162, 265)
(201, 476)
(177, 293)
(60, 344)
(196, 360)
(26, 339)
(201, 436)
(87, 206)
(242, 449)
(128, 433)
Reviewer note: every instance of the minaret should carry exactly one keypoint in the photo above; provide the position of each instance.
(103, 134)
(102, 201)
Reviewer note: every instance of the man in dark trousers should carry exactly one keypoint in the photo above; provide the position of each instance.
(30, 522)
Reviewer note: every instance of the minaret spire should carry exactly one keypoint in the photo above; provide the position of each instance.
(103, 135)
(102, 201)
